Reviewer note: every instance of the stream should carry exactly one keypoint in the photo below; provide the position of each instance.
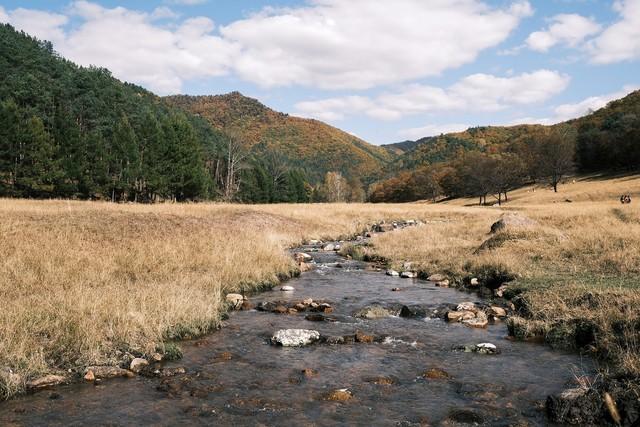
(236, 377)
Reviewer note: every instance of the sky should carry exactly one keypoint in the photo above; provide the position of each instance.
(386, 71)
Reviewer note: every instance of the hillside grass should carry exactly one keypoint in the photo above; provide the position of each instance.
(83, 282)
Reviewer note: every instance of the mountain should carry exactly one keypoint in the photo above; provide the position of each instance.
(496, 159)
(606, 139)
(308, 144)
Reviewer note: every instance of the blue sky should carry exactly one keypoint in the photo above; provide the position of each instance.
(385, 71)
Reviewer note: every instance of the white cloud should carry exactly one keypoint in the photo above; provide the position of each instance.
(567, 29)
(357, 44)
(332, 109)
(475, 93)
(163, 12)
(571, 111)
(620, 41)
(4, 18)
(132, 45)
(43, 25)
(432, 130)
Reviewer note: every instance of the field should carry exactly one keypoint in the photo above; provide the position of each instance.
(82, 282)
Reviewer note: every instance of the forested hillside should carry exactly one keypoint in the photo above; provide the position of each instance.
(69, 131)
(492, 160)
(309, 145)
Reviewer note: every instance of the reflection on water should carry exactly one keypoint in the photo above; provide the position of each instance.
(257, 383)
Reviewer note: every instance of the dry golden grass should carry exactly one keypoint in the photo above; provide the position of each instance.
(579, 266)
(81, 281)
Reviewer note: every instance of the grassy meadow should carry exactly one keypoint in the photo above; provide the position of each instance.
(82, 282)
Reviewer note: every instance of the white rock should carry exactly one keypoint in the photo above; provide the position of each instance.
(330, 247)
(408, 274)
(474, 281)
(235, 300)
(295, 337)
(287, 288)
(138, 364)
(486, 348)
(302, 257)
(392, 273)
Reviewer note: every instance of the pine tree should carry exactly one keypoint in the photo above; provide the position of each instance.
(35, 170)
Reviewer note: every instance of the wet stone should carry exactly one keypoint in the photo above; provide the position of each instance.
(380, 380)
(373, 312)
(413, 312)
(436, 374)
(341, 395)
(361, 337)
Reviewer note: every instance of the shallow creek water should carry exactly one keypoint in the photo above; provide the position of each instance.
(263, 384)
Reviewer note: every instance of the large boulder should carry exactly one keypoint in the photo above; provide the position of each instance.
(512, 220)
(295, 337)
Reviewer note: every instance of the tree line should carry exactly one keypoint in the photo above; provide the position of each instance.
(73, 132)
(546, 155)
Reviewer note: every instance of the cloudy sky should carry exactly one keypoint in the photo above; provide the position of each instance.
(383, 70)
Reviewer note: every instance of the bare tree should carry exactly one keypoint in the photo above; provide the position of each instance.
(234, 155)
(335, 187)
(555, 154)
(276, 166)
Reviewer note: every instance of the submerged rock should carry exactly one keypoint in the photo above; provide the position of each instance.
(106, 372)
(287, 288)
(46, 381)
(436, 374)
(413, 312)
(373, 312)
(295, 337)
(340, 395)
(437, 278)
(361, 337)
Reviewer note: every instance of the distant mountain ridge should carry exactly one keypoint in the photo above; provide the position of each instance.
(441, 148)
(309, 144)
